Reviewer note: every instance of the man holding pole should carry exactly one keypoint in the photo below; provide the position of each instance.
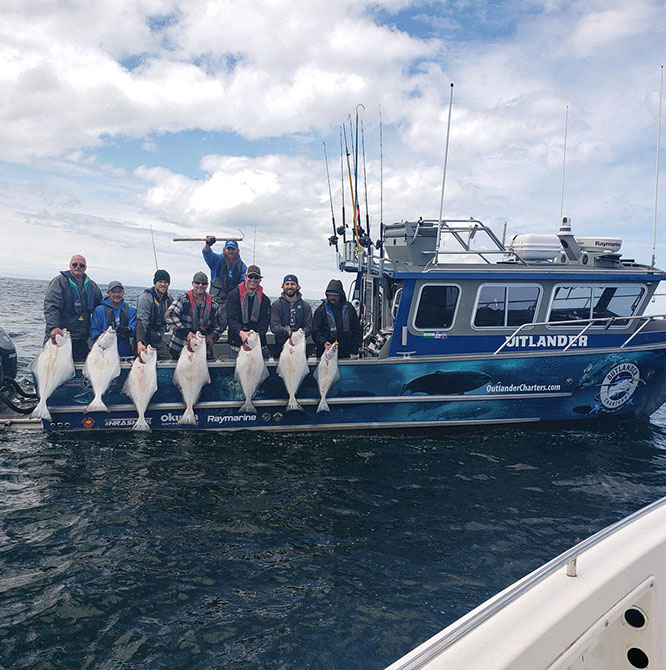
(227, 270)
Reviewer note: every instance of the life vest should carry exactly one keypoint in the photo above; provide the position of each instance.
(330, 317)
(199, 322)
(77, 299)
(292, 313)
(253, 318)
(122, 320)
(226, 279)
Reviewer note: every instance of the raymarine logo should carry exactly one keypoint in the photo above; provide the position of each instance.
(229, 418)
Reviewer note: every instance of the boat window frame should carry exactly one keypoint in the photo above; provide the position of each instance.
(417, 301)
(542, 292)
(593, 285)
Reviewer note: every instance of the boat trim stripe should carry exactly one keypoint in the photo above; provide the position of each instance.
(388, 400)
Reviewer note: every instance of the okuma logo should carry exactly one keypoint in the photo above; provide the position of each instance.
(171, 418)
(619, 385)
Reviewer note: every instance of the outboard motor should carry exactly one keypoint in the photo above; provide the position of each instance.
(8, 359)
(12, 393)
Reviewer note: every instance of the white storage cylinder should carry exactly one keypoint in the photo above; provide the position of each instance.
(534, 246)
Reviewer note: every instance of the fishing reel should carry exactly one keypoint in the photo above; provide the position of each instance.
(364, 241)
(332, 241)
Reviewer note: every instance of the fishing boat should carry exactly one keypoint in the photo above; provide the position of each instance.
(597, 605)
(460, 328)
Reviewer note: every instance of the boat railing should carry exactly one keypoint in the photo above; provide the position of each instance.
(458, 228)
(586, 324)
(567, 560)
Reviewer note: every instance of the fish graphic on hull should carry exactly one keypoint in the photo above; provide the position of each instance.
(446, 383)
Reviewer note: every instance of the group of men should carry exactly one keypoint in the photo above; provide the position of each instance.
(235, 303)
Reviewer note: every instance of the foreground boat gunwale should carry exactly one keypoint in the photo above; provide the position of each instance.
(440, 642)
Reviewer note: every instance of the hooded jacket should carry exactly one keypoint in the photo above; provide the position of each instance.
(337, 322)
(69, 304)
(288, 315)
(106, 315)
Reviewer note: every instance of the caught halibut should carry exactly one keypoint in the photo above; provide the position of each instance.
(141, 384)
(327, 374)
(53, 367)
(293, 366)
(102, 366)
(191, 375)
(250, 371)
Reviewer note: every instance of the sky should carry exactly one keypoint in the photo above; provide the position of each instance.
(210, 117)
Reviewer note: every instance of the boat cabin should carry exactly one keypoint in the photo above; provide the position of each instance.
(536, 293)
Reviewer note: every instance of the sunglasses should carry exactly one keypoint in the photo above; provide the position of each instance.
(253, 276)
(200, 283)
(78, 265)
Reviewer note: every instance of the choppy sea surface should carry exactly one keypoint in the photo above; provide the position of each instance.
(284, 551)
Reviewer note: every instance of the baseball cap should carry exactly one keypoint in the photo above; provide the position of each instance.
(293, 278)
(254, 269)
(115, 284)
(200, 276)
(231, 244)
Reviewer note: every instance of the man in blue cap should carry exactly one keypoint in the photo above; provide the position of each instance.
(227, 270)
(289, 313)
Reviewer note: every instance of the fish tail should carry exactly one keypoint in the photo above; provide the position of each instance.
(97, 405)
(293, 405)
(141, 424)
(247, 407)
(323, 406)
(41, 411)
(188, 417)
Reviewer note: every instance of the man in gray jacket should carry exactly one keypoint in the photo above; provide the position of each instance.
(289, 313)
(69, 302)
(151, 308)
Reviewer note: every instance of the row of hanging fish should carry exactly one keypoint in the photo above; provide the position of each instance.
(54, 366)
(292, 367)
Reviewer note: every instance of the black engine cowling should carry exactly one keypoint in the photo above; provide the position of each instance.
(8, 358)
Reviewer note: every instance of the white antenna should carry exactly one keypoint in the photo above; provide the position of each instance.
(254, 247)
(564, 159)
(656, 180)
(446, 158)
(154, 252)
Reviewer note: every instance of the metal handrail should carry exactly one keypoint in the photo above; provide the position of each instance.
(443, 227)
(587, 324)
(567, 559)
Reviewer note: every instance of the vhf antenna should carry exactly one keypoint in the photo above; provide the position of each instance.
(564, 159)
(656, 180)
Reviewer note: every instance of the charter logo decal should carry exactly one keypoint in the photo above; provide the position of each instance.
(88, 422)
(619, 385)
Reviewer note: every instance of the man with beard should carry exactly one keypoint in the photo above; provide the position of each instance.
(289, 313)
(151, 308)
(227, 269)
(69, 302)
(336, 320)
(115, 312)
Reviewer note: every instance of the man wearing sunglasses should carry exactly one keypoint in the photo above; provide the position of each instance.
(195, 312)
(69, 302)
(248, 309)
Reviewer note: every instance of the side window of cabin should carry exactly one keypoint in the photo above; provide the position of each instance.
(502, 306)
(437, 307)
(571, 303)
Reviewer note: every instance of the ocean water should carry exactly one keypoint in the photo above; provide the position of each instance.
(284, 551)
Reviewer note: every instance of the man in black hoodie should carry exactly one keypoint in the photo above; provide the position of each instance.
(336, 320)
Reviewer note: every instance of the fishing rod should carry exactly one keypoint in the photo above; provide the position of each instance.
(154, 251)
(365, 183)
(381, 191)
(656, 184)
(342, 192)
(351, 190)
(333, 240)
(358, 205)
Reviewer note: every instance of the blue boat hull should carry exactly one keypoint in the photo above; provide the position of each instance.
(393, 393)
